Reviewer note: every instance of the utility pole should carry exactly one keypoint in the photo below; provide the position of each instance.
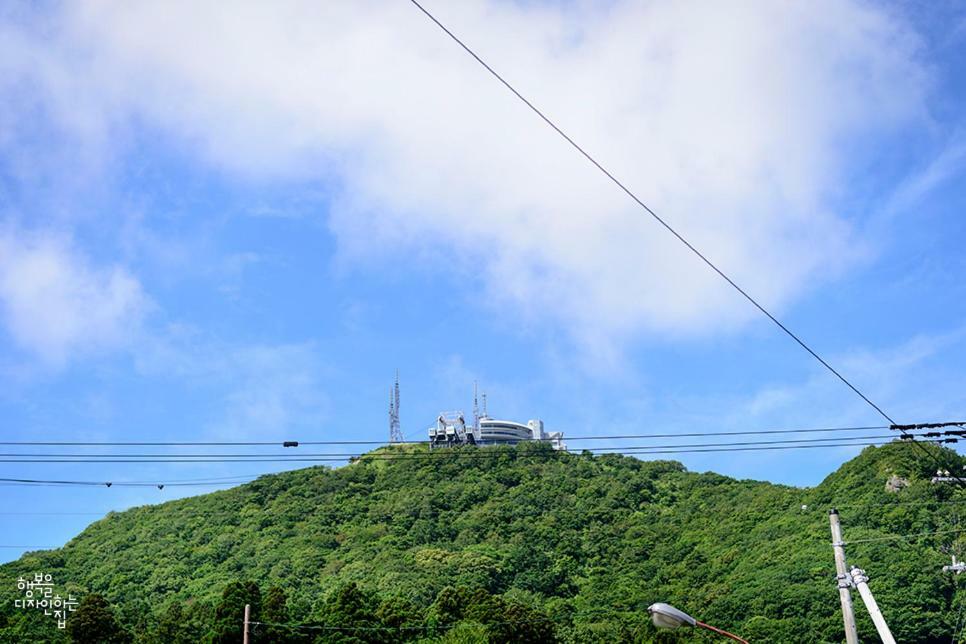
(844, 581)
(957, 567)
(248, 615)
(861, 582)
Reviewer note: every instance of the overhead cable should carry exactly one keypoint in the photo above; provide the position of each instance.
(440, 455)
(904, 537)
(297, 443)
(160, 485)
(618, 448)
(667, 226)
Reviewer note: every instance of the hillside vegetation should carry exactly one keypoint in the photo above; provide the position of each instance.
(506, 544)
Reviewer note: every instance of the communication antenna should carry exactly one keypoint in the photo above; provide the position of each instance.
(485, 415)
(476, 408)
(392, 415)
(395, 432)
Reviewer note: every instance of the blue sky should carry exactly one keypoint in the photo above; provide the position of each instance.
(238, 226)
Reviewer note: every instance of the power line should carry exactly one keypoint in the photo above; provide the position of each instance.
(296, 443)
(929, 425)
(184, 443)
(208, 479)
(160, 485)
(293, 443)
(391, 452)
(668, 226)
(741, 433)
(884, 505)
(437, 512)
(424, 627)
(427, 457)
(32, 547)
(341, 456)
(314, 454)
(55, 514)
(812, 507)
(756, 449)
(799, 440)
(904, 537)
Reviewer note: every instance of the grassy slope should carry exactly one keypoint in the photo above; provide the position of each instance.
(592, 540)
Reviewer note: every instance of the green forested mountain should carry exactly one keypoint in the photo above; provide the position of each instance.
(507, 544)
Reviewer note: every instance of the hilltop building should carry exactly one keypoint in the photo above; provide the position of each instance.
(451, 429)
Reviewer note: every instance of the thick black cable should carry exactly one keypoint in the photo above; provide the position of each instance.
(667, 226)
(242, 457)
(754, 449)
(174, 443)
(740, 443)
(206, 479)
(159, 484)
(741, 433)
(356, 454)
(439, 455)
(951, 423)
(360, 442)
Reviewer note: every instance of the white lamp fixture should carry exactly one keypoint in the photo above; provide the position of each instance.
(667, 616)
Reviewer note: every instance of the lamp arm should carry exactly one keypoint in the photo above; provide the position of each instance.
(720, 632)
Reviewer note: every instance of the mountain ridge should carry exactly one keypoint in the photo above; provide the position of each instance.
(584, 542)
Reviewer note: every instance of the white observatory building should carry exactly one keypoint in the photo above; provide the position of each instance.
(451, 429)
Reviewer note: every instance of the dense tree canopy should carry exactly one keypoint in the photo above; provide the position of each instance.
(522, 545)
(94, 621)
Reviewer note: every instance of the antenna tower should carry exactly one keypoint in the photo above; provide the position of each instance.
(395, 433)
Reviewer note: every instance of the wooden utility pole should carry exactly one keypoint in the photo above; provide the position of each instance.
(844, 579)
(248, 615)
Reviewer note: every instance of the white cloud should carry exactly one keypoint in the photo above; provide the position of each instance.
(945, 165)
(56, 303)
(914, 381)
(265, 390)
(276, 393)
(917, 380)
(737, 121)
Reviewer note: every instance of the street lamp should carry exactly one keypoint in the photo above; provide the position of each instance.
(667, 616)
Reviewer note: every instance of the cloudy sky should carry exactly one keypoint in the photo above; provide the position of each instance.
(236, 225)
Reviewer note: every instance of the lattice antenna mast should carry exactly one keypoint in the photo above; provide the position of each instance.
(392, 415)
(397, 397)
(395, 432)
(485, 415)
